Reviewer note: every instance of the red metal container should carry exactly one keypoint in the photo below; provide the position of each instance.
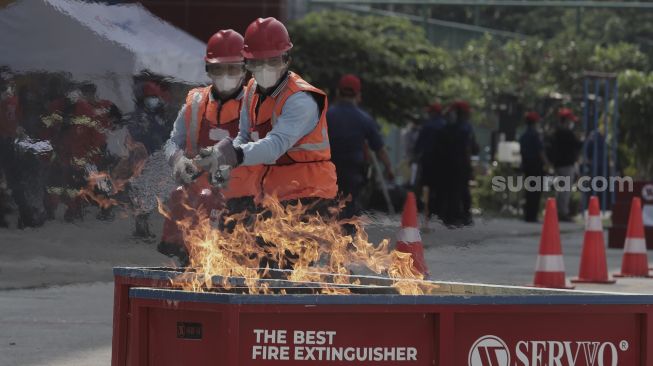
(475, 325)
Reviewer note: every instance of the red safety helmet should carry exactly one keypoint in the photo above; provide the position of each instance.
(224, 46)
(533, 117)
(461, 106)
(566, 113)
(266, 38)
(350, 82)
(152, 89)
(434, 108)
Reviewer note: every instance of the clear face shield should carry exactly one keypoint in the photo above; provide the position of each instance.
(267, 72)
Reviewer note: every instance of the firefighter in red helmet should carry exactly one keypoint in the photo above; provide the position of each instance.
(283, 127)
(457, 147)
(209, 115)
(533, 163)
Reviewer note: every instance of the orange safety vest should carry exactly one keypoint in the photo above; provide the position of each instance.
(305, 170)
(207, 122)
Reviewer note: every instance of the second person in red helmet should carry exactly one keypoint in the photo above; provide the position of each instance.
(283, 127)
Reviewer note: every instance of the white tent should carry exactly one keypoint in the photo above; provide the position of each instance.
(106, 44)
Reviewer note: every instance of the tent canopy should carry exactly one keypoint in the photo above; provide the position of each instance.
(106, 44)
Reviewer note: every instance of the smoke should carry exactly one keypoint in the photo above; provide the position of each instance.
(154, 181)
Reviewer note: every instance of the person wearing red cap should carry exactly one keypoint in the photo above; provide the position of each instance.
(565, 151)
(283, 125)
(456, 147)
(149, 128)
(210, 114)
(428, 158)
(148, 124)
(350, 128)
(533, 162)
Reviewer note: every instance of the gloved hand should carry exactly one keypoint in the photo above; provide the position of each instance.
(184, 170)
(222, 153)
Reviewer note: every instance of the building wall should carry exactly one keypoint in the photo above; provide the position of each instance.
(202, 18)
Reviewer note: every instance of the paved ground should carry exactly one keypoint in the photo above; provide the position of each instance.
(57, 300)
(68, 325)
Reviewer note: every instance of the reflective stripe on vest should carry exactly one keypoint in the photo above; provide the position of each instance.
(317, 141)
(191, 133)
(305, 170)
(199, 102)
(314, 146)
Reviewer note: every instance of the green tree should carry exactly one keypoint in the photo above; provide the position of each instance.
(399, 68)
(503, 68)
(636, 110)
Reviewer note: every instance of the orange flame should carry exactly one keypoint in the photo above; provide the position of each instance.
(125, 169)
(311, 247)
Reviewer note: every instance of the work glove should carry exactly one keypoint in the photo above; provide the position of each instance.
(215, 157)
(184, 170)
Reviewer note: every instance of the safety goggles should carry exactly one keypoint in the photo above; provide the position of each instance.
(225, 69)
(252, 65)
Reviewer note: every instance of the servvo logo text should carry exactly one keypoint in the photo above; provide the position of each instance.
(492, 351)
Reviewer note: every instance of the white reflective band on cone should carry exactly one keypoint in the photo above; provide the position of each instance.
(550, 263)
(635, 245)
(594, 223)
(409, 235)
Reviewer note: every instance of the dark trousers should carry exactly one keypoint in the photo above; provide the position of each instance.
(532, 205)
(350, 183)
(25, 176)
(532, 199)
(436, 199)
(456, 202)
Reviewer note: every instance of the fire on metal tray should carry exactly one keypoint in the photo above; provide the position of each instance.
(283, 248)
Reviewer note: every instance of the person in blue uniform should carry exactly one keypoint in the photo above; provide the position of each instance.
(350, 130)
(533, 161)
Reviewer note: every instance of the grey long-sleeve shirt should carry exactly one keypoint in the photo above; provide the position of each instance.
(298, 118)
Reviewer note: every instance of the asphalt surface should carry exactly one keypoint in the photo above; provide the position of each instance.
(56, 302)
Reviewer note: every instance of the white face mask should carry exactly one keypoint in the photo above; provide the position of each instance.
(9, 92)
(152, 103)
(268, 76)
(227, 84)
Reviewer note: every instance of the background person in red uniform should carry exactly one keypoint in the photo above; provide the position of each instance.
(78, 141)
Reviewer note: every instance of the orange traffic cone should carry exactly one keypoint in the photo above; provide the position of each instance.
(408, 238)
(635, 261)
(593, 265)
(550, 267)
